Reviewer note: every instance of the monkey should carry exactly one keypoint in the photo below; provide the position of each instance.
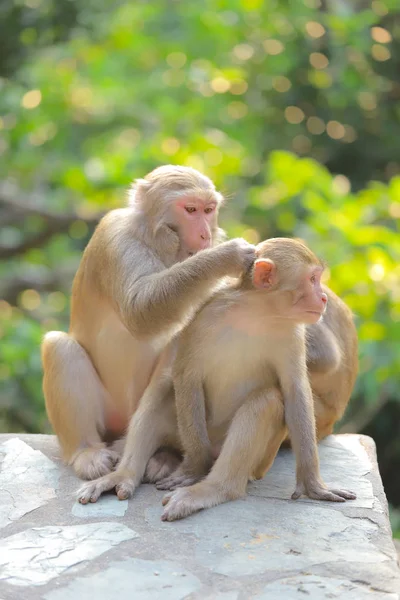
(240, 384)
(262, 326)
(145, 270)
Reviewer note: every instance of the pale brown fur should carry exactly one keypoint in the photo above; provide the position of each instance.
(240, 380)
(136, 287)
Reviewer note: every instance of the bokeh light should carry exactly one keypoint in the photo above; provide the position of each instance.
(31, 99)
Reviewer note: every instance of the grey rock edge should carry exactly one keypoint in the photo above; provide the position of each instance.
(265, 546)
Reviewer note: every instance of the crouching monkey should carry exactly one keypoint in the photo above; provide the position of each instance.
(139, 281)
(241, 382)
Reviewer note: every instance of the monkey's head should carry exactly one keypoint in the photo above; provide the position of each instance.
(184, 200)
(290, 275)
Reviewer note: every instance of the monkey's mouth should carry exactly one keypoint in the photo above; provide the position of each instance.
(315, 313)
(315, 316)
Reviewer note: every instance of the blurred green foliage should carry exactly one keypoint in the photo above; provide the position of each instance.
(291, 106)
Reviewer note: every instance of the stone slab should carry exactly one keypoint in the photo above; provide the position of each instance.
(264, 546)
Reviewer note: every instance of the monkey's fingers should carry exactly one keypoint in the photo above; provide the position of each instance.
(299, 491)
(172, 483)
(164, 484)
(91, 491)
(346, 494)
(166, 499)
(331, 495)
(296, 494)
(125, 488)
(321, 492)
(178, 505)
(324, 494)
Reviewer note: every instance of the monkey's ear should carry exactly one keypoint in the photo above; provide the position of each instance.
(137, 190)
(264, 273)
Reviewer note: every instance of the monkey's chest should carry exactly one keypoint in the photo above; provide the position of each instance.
(233, 370)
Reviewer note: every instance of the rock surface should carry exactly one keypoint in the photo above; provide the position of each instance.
(265, 546)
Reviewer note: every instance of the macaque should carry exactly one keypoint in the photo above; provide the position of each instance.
(141, 277)
(242, 386)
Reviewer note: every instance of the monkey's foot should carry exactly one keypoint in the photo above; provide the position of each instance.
(185, 501)
(92, 463)
(319, 491)
(178, 479)
(122, 481)
(181, 504)
(161, 465)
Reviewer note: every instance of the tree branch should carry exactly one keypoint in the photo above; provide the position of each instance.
(18, 209)
(11, 287)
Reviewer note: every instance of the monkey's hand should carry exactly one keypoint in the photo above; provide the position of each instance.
(121, 480)
(238, 255)
(168, 243)
(317, 490)
(182, 477)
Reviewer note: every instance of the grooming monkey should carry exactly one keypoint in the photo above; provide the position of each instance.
(139, 281)
(241, 382)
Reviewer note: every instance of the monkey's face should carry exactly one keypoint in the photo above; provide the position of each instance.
(293, 293)
(309, 300)
(195, 220)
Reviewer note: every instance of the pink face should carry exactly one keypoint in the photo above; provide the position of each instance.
(193, 217)
(310, 301)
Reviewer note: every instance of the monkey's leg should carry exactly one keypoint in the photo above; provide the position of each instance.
(273, 441)
(192, 426)
(166, 459)
(152, 424)
(252, 431)
(75, 400)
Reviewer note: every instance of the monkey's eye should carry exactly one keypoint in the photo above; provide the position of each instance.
(208, 210)
(190, 209)
(313, 279)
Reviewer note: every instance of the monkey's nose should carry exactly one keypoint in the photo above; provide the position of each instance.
(324, 298)
(205, 234)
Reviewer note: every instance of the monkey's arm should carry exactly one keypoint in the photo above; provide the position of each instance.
(300, 420)
(153, 303)
(149, 298)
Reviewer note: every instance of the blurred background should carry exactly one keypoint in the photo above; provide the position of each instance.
(291, 106)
